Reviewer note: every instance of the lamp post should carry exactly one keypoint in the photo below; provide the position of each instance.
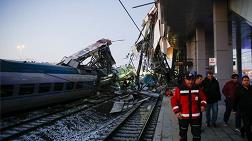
(20, 48)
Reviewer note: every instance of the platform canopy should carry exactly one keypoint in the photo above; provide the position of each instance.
(182, 16)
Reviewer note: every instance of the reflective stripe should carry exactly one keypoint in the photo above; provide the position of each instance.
(193, 115)
(183, 128)
(204, 102)
(184, 91)
(187, 91)
(195, 91)
(174, 108)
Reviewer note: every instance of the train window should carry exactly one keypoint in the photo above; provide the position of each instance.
(26, 89)
(79, 85)
(6, 90)
(58, 86)
(44, 87)
(91, 83)
(69, 85)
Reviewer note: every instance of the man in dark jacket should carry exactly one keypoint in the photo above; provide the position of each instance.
(198, 83)
(243, 99)
(198, 80)
(228, 91)
(212, 90)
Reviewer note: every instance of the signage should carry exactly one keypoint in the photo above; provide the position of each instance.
(212, 61)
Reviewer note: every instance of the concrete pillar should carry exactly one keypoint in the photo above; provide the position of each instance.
(222, 50)
(238, 48)
(251, 40)
(200, 51)
(191, 54)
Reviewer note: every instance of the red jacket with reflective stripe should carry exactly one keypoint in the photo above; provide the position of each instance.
(181, 102)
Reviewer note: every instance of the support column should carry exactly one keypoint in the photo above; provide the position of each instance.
(191, 54)
(251, 40)
(201, 50)
(222, 50)
(238, 48)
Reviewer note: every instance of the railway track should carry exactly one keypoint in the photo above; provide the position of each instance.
(133, 128)
(149, 130)
(15, 130)
(130, 125)
(88, 121)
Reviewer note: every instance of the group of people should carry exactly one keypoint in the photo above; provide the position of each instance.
(196, 95)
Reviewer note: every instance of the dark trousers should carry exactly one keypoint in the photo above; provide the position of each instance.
(228, 112)
(228, 109)
(247, 121)
(238, 119)
(214, 108)
(195, 128)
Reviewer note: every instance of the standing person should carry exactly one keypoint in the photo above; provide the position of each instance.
(198, 83)
(212, 90)
(187, 103)
(228, 91)
(243, 99)
(198, 80)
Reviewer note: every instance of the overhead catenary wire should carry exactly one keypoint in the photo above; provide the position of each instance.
(131, 18)
(143, 4)
(140, 31)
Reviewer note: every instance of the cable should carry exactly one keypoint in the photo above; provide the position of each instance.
(143, 5)
(131, 18)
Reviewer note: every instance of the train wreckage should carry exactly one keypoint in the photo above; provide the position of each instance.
(88, 70)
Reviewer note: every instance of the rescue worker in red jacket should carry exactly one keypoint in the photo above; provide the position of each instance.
(187, 103)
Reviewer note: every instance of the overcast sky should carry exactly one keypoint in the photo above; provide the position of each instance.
(52, 29)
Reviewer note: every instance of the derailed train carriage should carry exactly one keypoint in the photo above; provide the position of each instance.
(26, 85)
